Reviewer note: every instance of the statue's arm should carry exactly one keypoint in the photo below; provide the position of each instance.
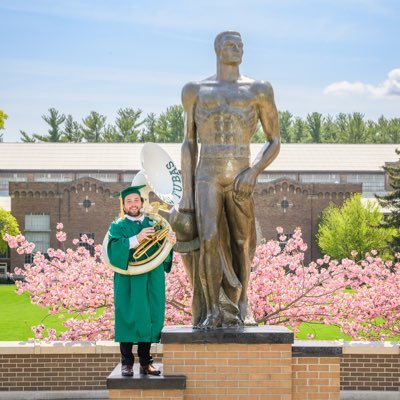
(189, 149)
(268, 115)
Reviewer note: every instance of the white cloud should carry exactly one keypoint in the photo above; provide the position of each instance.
(389, 87)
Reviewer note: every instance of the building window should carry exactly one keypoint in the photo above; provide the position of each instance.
(104, 177)
(6, 177)
(87, 246)
(128, 177)
(273, 176)
(37, 230)
(319, 178)
(53, 177)
(371, 183)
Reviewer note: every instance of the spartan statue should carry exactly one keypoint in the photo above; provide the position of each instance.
(215, 221)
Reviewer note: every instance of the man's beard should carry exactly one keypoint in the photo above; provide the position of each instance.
(133, 213)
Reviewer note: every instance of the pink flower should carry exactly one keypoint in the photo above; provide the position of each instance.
(61, 236)
(60, 226)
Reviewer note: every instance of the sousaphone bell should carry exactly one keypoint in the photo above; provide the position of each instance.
(161, 176)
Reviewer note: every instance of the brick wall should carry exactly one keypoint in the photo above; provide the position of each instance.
(85, 366)
(58, 366)
(379, 372)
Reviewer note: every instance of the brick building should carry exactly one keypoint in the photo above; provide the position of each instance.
(46, 183)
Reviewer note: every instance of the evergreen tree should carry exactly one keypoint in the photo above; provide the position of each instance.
(148, 133)
(314, 125)
(127, 127)
(26, 138)
(391, 202)
(55, 120)
(72, 131)
(93, 127)
(299, 131)
(285, 123)
(170, 125)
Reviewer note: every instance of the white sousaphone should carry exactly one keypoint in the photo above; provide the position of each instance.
(160, 175)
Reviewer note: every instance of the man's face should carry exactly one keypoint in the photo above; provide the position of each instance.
(132, 205)
(231, 50)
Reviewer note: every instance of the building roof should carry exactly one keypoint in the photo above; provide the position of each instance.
(126, 157)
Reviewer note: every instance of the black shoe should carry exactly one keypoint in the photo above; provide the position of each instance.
(127, 370)
(149, 370)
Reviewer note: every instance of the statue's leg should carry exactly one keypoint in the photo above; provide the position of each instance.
(240, 215)
(209, 202)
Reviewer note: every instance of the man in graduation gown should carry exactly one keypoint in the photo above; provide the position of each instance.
(139, 300)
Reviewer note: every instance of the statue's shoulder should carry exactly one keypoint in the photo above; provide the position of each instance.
(190, 91)
(262, 88)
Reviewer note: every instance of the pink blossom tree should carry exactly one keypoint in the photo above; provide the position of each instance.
(362, 298)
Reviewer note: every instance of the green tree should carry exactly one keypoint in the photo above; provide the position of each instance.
(93, 127)
(127, 126)
(329, 130)
(3, 117)
(285, 123)
(148, 133)
(170, 125)
(55, 120)
(26, 138)
(72, 131)
(391, 202)
(355, 129)
(299, 131)
(353, 226)
(8, 224)
(314, 125)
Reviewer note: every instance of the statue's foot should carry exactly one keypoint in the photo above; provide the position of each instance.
(246, 314)
(212, 322)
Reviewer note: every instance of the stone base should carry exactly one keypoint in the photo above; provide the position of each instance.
(144, 386)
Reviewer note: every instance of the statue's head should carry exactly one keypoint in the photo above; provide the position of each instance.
(228, 46)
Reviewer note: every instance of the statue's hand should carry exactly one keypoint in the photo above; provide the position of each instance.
(244, 184)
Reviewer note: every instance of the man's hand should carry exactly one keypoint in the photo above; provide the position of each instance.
(171, 238)
(145, 233)
(244, 184)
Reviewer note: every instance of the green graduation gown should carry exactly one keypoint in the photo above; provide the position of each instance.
(139, 300)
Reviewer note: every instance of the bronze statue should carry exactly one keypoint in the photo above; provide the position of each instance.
(222, 113)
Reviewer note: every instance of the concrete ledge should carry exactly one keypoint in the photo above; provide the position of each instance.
(368, 395)
(242, 335)
(370, 348)
(169, 382)
(55, 395)
(316, 348)
(184, 334)
(68, 347)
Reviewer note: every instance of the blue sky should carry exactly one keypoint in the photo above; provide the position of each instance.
(78, 56)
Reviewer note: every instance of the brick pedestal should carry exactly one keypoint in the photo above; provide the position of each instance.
(144, 386)
(248, 363)
(316, 371)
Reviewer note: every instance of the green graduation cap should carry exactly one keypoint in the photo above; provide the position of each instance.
(129, 190)
(125, 192)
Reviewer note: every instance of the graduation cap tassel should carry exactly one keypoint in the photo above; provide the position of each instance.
(121, 205)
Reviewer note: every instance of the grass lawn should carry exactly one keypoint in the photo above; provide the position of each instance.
(17, 315)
